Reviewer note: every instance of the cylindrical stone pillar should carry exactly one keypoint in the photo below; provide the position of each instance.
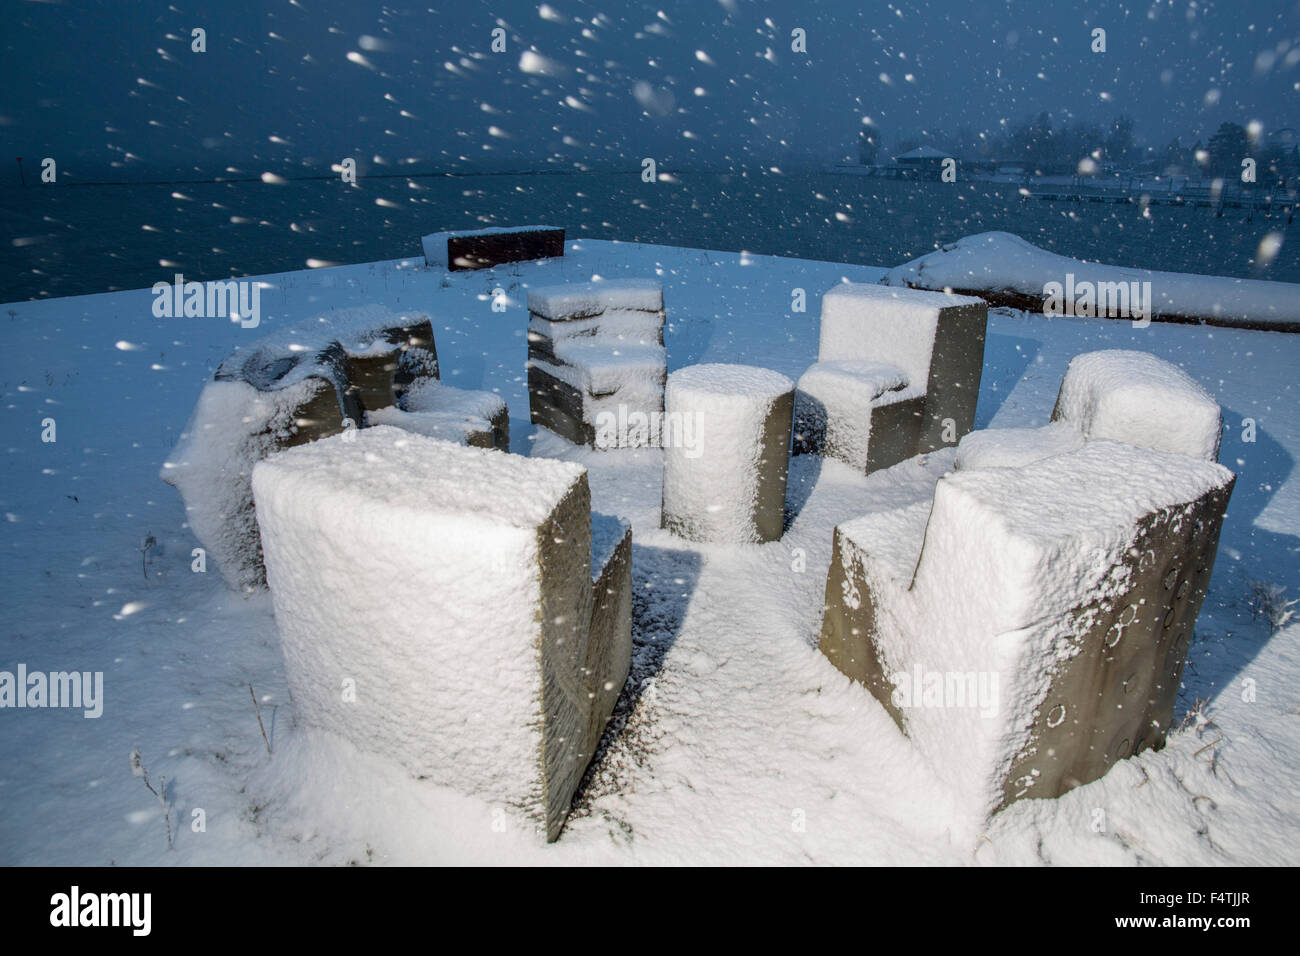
(726, 440)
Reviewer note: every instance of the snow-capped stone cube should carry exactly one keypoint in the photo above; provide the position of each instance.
(930, 341)
(829, 407)
(1140, 399)
(596, 361)
(434, 603)
(1028, 628)
(727, 485)
(251, 408)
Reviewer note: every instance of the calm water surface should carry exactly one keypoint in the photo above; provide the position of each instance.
(69, 240)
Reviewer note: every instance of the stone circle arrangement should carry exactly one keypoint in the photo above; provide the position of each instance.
(1066, 563)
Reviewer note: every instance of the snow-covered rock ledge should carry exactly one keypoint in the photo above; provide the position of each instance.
(1005, 270)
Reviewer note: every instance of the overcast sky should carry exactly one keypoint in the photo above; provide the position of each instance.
(292, 86)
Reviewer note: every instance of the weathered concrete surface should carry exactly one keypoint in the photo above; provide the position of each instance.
(483, 251)
(1116, 697)
(1085, 623)
(564, 619)
(956, 367)
(609, 640)
(370, 378)
(774, 469)
(557, 405)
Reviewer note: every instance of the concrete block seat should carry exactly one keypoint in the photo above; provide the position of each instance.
(342, 369)
(456, 609)
(898, 374)
(596, 360)
(1028, 627)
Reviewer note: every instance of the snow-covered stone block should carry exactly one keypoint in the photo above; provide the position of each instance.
(475, 432)
(293, 386)
(434, 603)
(728, 486)
(1028, 628)
(211, 465)
(583, 300)
(609, 641)
(933, 342)
(482, 248)
(1140, 399)
(833, 403)
(383, 361)
(596, 361)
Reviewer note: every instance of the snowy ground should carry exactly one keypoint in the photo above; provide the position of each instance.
(735, 741)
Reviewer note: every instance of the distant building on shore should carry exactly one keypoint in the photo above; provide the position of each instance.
(924, 162)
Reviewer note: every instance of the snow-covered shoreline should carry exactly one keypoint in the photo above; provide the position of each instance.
(1007, 270)
(735, 741)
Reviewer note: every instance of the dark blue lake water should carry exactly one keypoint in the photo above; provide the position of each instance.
(69, 239)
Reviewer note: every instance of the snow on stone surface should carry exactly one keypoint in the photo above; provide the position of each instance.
(603, 368)
(411, 567)
(580, 300)
(356, 328)
(434, 245)
(898, 327)
(834, 399)
(1007, 554)
(248, 408)
(438, 397)
(711, 489)
(630, 325)
(1003, 262)
(448, 427)
(1016, 447)
(727, 690)
(868, 379)
(1138, 398)
(232, 427)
